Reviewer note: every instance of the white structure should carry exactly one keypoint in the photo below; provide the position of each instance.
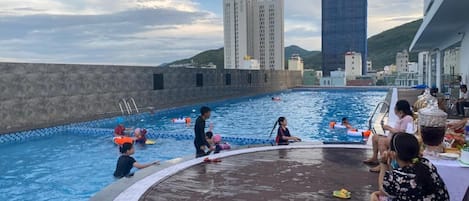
(337, 79)
(444, 26)
(390, 69)
(451, 62)
(250, 64)
(353, 65)
(413, 67)
(424, 68)
(402, 59)
(254, 28)
(319, 74)
(295, 63)
(369, 65)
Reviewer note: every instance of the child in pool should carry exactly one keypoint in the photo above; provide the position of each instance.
(283, 134)
(208, 137)
(347, 124)
(126, 161)
(120, 129)
(219, 146)
(140, 135)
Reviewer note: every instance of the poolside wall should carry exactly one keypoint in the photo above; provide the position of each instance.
(43, 95)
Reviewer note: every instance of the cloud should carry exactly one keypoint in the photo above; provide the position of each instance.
(146, 33)
(151, 32)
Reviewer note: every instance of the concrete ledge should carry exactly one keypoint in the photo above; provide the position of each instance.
(144, 179)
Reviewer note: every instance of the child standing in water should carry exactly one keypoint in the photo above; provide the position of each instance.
(283, 134)
(126, 162)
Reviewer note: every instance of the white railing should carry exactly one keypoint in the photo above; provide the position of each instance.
(126, 107)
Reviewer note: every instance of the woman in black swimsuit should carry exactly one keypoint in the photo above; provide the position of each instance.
(283, 134)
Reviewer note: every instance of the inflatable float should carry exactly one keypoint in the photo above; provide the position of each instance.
(182, 120)
(351, 132)
(122, 140)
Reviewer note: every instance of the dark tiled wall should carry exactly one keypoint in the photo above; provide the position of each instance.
(42, 95)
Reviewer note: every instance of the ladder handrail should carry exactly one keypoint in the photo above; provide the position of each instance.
(129, 111)
(370, 121)
(133, 102)
(127, 106)
(122, 109)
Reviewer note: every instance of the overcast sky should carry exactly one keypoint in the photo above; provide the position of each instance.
(151, 32)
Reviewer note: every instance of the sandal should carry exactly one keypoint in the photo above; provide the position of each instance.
(208, 160)
(343, 194)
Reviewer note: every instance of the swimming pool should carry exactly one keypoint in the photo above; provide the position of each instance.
(67, 166)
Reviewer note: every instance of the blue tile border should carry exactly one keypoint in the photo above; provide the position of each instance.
(95, 127)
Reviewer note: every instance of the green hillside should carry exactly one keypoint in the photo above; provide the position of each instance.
(382, 49)
(216, 56)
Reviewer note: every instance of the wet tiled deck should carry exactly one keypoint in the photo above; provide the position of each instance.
(288, 174)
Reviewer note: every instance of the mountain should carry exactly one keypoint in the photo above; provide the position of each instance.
(216, 56)
(209, 56)
(382, 49)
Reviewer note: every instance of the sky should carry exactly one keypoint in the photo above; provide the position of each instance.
(152, 32)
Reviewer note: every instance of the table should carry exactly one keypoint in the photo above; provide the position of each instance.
(455, 177)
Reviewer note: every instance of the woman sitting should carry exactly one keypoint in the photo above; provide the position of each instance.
(406, 176)
(381, 143)
(283, 134)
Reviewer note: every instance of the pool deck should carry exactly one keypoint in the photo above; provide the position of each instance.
(284, 174)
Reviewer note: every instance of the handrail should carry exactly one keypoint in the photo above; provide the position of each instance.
(135, 105)
(127, 106)
(370, 121)
(122, 109)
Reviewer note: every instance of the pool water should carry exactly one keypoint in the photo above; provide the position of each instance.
(74, 167)
(308, 114)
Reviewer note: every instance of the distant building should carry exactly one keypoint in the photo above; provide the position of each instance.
(451, 62)
(424, 69)
(319, 74)
(337, 79)
(344, 29)
(413, 67)
(402, 59)
(369, 66)
(254, 28)
(390, 69)
(250, 64)
(310, 77)
(353, 65)
(295, 63)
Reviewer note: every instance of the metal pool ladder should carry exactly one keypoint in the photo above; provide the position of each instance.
(125, 106)
(370, 121)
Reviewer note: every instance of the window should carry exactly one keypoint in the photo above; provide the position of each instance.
(199, 80)
(158, 82)
(266, 78)
(249, 78)
(227, 79)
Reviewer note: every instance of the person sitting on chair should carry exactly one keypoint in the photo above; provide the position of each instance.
(462, 101)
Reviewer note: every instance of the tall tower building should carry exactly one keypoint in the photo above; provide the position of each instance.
(254, 29)
(344, 28)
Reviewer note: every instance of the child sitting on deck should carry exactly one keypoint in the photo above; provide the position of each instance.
(126, 161)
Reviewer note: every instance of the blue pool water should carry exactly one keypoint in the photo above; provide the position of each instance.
(308, 114)
(74, 167)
